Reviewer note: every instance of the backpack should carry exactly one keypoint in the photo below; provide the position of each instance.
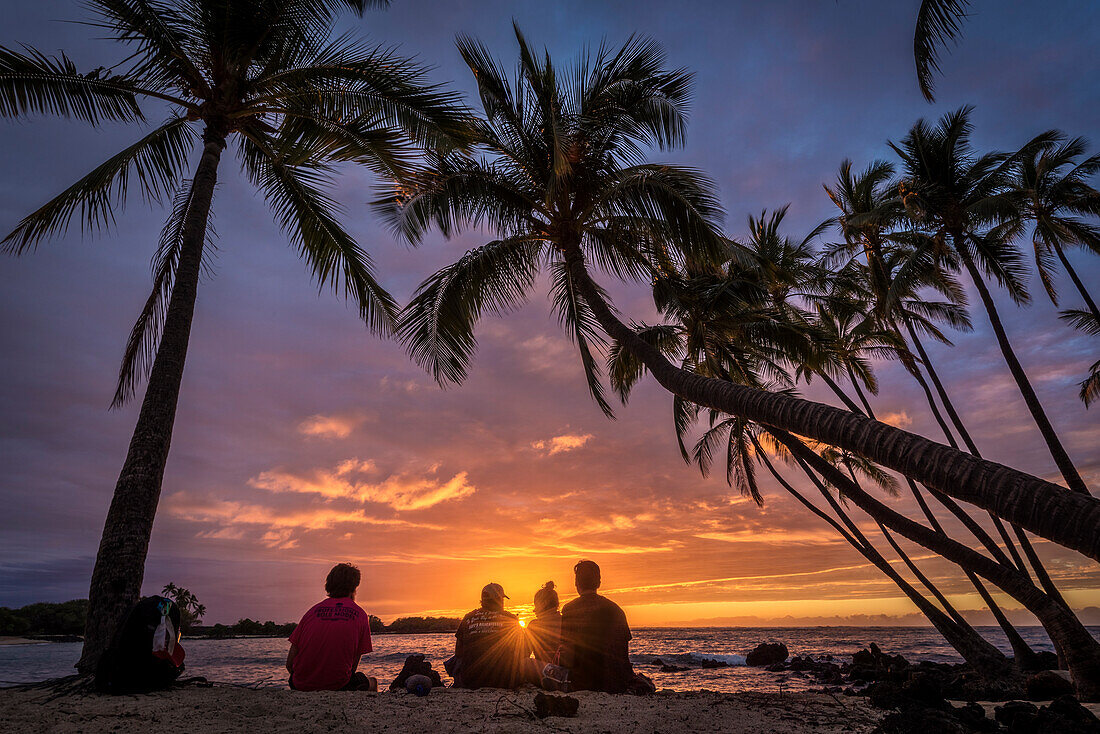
(129, 664)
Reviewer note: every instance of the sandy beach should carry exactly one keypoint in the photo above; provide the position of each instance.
(231, 709)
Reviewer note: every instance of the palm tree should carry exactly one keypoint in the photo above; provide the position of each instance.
(1086, 322)
(1052, 188)
(296, 103)
(938, 22)
(562, 182)
(966, 202)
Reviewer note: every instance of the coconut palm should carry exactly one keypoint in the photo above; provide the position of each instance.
(938, 23)
(561, 183)
(1051, 182)
(966, 202)
(267, 76)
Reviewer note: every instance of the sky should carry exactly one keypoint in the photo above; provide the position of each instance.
(301, 440)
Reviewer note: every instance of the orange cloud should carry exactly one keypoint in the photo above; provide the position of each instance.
(560, 444)
(899, 419)
(402, 492)
(328, 426)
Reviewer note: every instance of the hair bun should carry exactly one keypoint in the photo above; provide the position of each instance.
(548, 585)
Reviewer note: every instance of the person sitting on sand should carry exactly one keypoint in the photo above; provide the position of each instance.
(594, 636)
(490, 649)
(326, 645)
(544, 631)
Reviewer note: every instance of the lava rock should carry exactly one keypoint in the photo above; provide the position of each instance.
(1047, 685)
(874, 664)
(1042, 660)
(767, 653)
(1018, 716)
(656, 661)
(921, 721)
(546, 705)
(1066, 714)
(708, 664)
(666, 668)
(973, 716)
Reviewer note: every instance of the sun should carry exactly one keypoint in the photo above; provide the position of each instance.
(523, 623)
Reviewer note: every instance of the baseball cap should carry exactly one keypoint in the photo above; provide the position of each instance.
(493, 591)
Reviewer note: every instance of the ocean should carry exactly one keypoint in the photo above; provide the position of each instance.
(258, 662)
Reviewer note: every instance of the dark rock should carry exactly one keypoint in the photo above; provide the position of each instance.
(1047, 685)
(973, 717)
(546, 705)
(1042, 660)
(1020, 717)
(656, 661)
(1065, 714)
(666, 668)
(802, 663)
(767, 653)
(921, 721)
(708, 664)
(415, 665)
(886, 695)
(874, 664)
(926, 690)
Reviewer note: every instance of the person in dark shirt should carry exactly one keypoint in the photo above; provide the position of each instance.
(490, 649)
(594, 636)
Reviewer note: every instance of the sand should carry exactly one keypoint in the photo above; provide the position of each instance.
(272, 711)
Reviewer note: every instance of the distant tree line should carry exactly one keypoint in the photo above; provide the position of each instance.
(67, 618)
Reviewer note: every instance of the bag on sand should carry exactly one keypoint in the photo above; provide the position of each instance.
(415, 665)
(144, 654)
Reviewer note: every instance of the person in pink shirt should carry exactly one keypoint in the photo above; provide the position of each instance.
(326, 645)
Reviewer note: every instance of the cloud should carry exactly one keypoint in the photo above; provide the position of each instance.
(233, 514)
(899, 419)
(402, 492)
(561, 444)
(328, 426)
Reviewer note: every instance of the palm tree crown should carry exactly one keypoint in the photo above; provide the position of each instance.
(561, 164)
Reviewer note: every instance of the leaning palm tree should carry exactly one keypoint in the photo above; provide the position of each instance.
(967, 203)
(562, 183)
(267, 76)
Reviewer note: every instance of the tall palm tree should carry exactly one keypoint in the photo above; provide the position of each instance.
(1051, 182)
(562, 182)
(267, 76)
(966, 201)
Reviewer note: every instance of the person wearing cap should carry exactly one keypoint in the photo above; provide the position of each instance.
(490, 648)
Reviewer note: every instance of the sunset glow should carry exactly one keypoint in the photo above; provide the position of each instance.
(301, 440)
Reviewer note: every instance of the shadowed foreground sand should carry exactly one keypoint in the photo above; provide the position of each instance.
(229, 709)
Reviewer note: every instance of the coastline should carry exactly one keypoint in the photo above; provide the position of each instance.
(229, 708)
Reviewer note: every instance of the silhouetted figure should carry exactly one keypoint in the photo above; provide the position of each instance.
(326, 645)
(594, 636)
(490, 647)
(544, 631)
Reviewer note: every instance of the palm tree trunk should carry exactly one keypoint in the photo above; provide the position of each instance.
(1067, 518)
(1077, 282)
(1061, 458)
(1023, 653)
(975, 650)
(120, 562)
(1082, 650)
(859, 393)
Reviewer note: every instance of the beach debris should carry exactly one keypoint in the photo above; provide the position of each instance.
(420, 685)
(547, 705)
(415, 665)
(1047, 685)
(767, 653)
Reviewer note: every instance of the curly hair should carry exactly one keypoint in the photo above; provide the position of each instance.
(342, 580)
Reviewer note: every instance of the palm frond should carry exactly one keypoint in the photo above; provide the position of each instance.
(576, 316)
(308, 216)
(437, 326)
(158, 160)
